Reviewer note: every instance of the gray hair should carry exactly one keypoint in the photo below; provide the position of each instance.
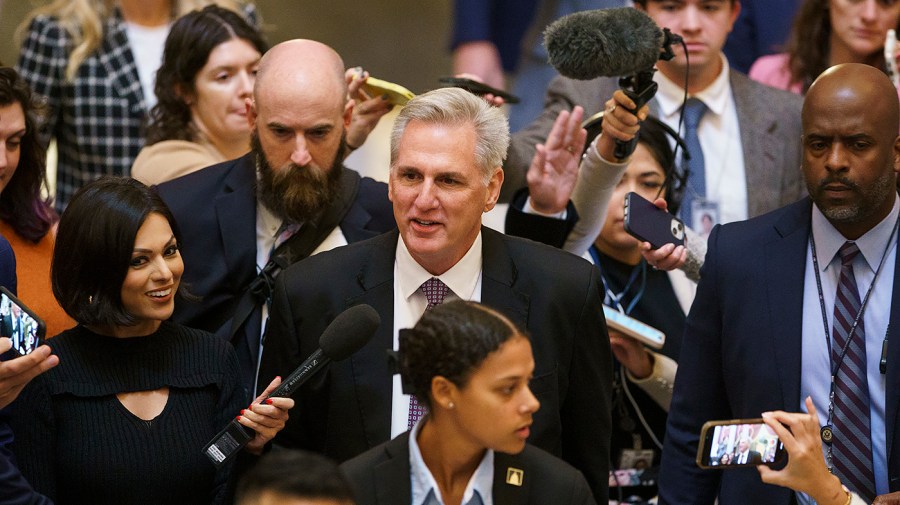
(455, 106)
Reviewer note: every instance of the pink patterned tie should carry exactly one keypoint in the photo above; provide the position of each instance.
(435, 291)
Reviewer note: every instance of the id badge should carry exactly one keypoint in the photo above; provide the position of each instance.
(634, 458)
(704, 215)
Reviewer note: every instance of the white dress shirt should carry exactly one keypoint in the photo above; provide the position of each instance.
(720, 139)
(464, 281)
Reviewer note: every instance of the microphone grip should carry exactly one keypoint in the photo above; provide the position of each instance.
(301, 374)
(640, 88)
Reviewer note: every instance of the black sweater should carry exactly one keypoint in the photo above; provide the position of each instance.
(76, 443)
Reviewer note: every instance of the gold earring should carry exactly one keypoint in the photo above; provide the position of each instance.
(450, 405)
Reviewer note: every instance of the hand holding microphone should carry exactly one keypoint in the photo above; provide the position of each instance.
(623, 42)
(348, 333)
(266, 416)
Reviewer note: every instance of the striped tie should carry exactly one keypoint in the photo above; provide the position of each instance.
(435, 290)
(852, 450)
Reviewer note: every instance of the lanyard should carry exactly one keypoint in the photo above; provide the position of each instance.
(615, 299)
(826, 431)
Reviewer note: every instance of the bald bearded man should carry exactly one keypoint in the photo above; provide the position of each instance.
(232, 214)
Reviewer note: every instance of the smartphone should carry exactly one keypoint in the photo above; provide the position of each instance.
(738, 443)
(642, 332)
(479, 88)
(19, 324)
(649, 223)
(397, 94)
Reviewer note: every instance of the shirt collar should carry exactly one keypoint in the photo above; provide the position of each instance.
(424, 485)
(871, 245)
(461, 278)
(268, 219)
(671, 95)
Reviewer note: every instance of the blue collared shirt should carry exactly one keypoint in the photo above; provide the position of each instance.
(815, 379)
(425, 490)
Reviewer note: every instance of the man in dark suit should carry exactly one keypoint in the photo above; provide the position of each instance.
(446, 150)
(748, 134)
(771, 283)
(231, 215)
(744, 455)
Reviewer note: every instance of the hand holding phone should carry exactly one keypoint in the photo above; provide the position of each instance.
(478, 88)
(738, 443)
(643, 333)
(18, 323)
(649, 223)
(397, 94)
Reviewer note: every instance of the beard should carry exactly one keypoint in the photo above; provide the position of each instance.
(870, 199)
(297, 193)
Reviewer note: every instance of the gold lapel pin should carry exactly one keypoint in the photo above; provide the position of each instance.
(514, 476)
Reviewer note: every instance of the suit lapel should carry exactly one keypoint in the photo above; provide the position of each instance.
(784, 287)
(118, 60)
(508, 469)
(498, 277)
(236, 219)
(392, 476)
(370, 368)
(758, 131)
(892, 376)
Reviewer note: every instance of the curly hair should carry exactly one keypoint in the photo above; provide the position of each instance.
(21, 203)
(451, 341)
(808, 44)
(191, 40)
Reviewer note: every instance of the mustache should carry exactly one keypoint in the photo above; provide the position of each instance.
(837, 179)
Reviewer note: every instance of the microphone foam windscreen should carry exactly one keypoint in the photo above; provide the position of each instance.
(349, 331)
(603, 43)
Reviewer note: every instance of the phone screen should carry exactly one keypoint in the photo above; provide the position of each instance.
(18, 324)
(739, 443)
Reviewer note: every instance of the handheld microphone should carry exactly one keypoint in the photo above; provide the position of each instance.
(348, 333)
(623, 42)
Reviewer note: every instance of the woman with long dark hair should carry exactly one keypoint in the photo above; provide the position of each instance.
(27, 217)
(826, 33)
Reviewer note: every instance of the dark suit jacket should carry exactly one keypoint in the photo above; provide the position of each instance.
(215, 209)
(554, 295)
(381, 476)
(14, 489)
(750, 297)
(769, 125)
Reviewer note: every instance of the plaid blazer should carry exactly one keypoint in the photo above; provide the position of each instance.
(98, 118)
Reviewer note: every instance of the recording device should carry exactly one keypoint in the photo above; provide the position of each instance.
(478, 88)
(20, 324)
(348, 333)
(738, 443)
(649, 223)
(622, 42)
(640, 331)
(397, 94)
